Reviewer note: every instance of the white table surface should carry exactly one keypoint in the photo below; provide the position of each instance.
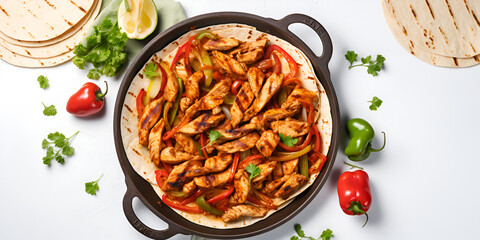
(423, 183)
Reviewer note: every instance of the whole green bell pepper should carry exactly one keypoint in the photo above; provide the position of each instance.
(361, 135)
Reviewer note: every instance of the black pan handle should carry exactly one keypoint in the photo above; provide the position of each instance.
(317, 27)
(139, 225)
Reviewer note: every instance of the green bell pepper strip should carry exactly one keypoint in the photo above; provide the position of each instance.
(229, 99)
(166, 108)
(303, 165)
(199, 148)
(361, 135)
(207, 61)
(291, 155)
(176, 105)
(207, 207)
(207, 34)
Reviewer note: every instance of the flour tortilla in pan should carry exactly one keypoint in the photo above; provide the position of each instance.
(139, 157)
(40, 20)
(444, 27)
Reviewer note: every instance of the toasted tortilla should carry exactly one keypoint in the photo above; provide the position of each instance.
(139, 157)
(403, 37)
(448, 28)
(41, 20)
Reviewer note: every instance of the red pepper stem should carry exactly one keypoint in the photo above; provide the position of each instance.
(99, 95)
(370, 149)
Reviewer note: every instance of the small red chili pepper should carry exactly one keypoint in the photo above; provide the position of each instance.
(140, 106)
(222, 195)
(354, 193)
(88, 100)
(172, 204)
(234, 166)
(291, 62)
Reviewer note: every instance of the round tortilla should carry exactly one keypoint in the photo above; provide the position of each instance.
(448, 28)
(403, 37)
(22, 61)
(139, 157)
(58, 48)
(41, 20)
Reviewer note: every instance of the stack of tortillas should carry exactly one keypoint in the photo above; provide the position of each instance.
(440, 32)
(43, 33)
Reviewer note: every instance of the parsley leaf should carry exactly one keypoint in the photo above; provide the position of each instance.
(326, 234)
(151, 70)
(57, 148)
(373, 67)
(43, 81)
(287, 140)
(92, 187)
(376, 102)
(105, 50)
(214, 135)
(253, 170)
(49, 111)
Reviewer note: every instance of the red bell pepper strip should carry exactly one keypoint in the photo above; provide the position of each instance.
(278, 65)
(222, 204)
(291, 62)
(141, 94)
(218, 76)
(315, 168)
(250, 159)
(87, 101)
(305, 143)
(309, 106)
(262, 197)
(318, 144)
(170, 133)
(265, 64)
(202, 144)
(297, 81)
(236, 86)
(251, 198)
(186, 56)
(180, 207)
(160, 176)
(354, 193)
(222, 195)
(234, 166)
(193, 197)
(180, 51)
(164, 80)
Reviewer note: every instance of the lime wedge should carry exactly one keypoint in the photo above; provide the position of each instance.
(140, 20)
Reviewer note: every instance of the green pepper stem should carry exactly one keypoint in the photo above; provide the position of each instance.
(353, 166)
(356, 209)
(370, 149)
(99, 95)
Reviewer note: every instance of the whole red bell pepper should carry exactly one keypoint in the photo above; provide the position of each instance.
(354, 193)
(88, 100)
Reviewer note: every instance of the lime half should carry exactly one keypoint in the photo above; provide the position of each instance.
(140, 20)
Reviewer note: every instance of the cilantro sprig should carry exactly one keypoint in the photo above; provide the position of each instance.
(43, 81)
(105, 49)
(92, 187)
(213, 136)
(287, 140)
(151, 70)
(50, 110)
(326, 234)
(57, 148)
(375, 103)
(373, 66)
(253, 170)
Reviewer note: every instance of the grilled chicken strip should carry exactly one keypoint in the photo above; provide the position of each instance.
(181, 70)
(265, 170)
(255, 77)
(287, 110)
(227, 64)
(271, 186)
(185, 103)
(192, 89)
(238, 211)
(155, 142)
(213, 98)
(202, 123)
(185, 144)
(291, 127)
(289, 167)
(242, 188)
(189, 187)
(150, 115)
(270, 88)
(291, 184)
(212, 180)
(177, 177)
(278, 171)
(172, 156)
(239, 145)
(230, 134)
(249, 52)
(214, 164)
(171, 89)
(267, 143)
(221, 44)
(302, 93)
(242, 101)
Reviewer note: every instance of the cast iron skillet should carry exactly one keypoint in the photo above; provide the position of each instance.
(138, 187)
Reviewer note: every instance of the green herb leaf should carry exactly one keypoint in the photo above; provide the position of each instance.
(351, 57)
(151, 70)
(373, 67)
(105, 50)
(299, 230)
(60, 149)
(287, 140)
(253, 170)
(92, 187)
(49, 111)
(375, 103)
(214, 135)
(294, 238)
(327, 234)
(43, 81)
